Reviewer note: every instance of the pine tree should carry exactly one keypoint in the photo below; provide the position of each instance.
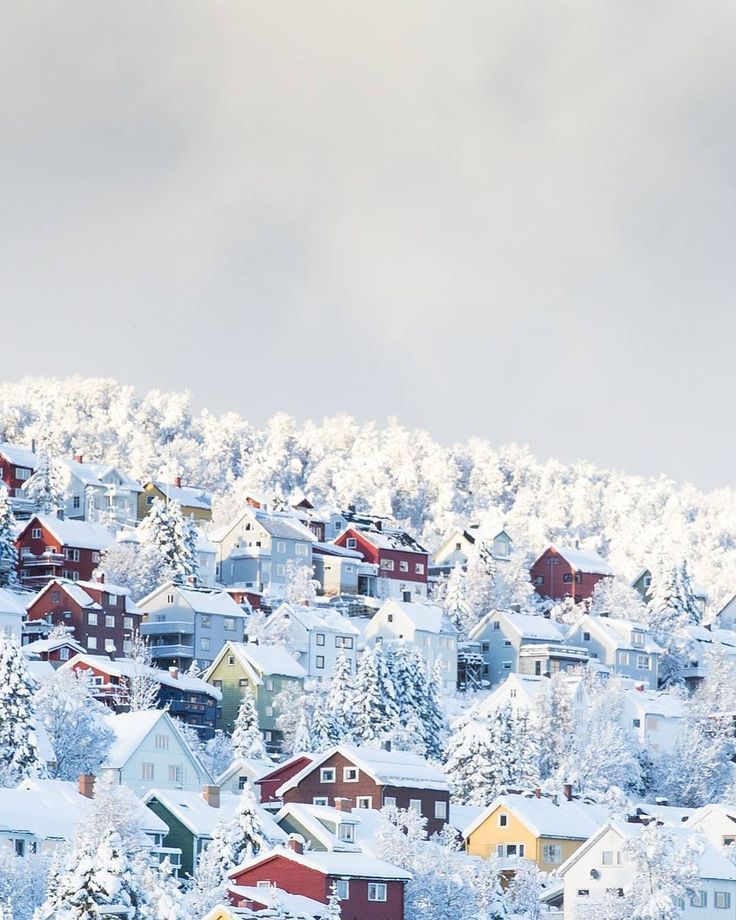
(480, 578)
(339, 715)
(554, 727)
(301, 588)
(8, 551)
(240, 837)
(468, 761)
(514, 761)
(18, 753)
(374, 704)
(302, 735)
(431, 717)
(324, 733)
(166, 529)
(46, 488)
(334, 911)
(456, 603)
(143, 685)
(247, 736)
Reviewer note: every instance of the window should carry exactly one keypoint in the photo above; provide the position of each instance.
(20, 847)
(583, 892)
(552, 853)
(281, 569)
(485, 646)
(510, 849)
(320, 661)
(128, 622)
(327, 775)
(342, 888)
(346, 832)
(22, 473)
(364, 801)
(611, 858)
(387, 565)
(350, 774)
(503, 820)
(169, 598)
(72, 555)
(242, 782)
(320, 639)
(642, 662)
(539, 579)
(112, 600)
(217, 683)
(320, 800)
(242, 682)
(161, 742)
(301, 549)
(175, 774)
(343, 641)
(699, 899)
(36, 533)
(264, 883)
(586, 637)
(280, 546)
(623, 658)
(269, 684)
(269, 711)
(507, 665)
(110, 622)
(722, 899)
(415, 805)
(403, 566)
(92, 619)
(206, 621)
(230, 661)
(91, 642)
(507, 643)
(636, 723)
(109, 645)
(389, 801)
(440, 810)
(637, 639)
(64, 654)
(419, 568)
(146, 771)
(351, 542)
(567, 578)
(204, 644)
(55, 597)
(228, 623)
(376, 891)
(390, 618)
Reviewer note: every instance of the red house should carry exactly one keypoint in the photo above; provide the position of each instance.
(270, 782)
(362, 777)
(17, 464)
(49, 547)
(561, 572)
(56, 649)
(368, 888)
(402, 562)
(103, 616)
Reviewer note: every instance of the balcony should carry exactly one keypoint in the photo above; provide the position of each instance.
(28, 559)
(172, 651)
(167, 628)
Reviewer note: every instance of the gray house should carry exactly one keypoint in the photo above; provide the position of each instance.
(622, 646)
(502, 633)
(184, 624)
(254, 550)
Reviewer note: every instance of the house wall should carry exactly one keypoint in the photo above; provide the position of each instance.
(13, 475)
(552, 568)
(268, 785)
(145, 500)
(613, 658)
(179, 836)
(336, 574)
(76, 571)
(392, 583)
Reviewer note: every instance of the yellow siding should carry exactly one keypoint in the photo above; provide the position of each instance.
(199, 514)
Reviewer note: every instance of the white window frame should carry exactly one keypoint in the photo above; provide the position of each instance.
(367, 799)
(342, 884)
(348, 779)
(389, 801)
(320, 800)
(724, 896)
(415, 805)
(440, 810)
(377, 891)
(147, 771)
(328, 775)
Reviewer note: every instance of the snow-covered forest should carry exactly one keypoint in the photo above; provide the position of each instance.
(404, 474)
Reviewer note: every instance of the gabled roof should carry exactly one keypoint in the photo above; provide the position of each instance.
(202, 600)
(132, 728)
(92, 474)
(527, 626)
(253, 768)
(615, 633)
(126, 667)
(547, 816)
(332, 549)
(317, 618)
(312, 818)
(398, 540)
(583, 560)
(344, 865)
(424, 617)
(298, 906)
(78, 591)
(386, 768)
(43, 646)
(187, 496)
(10, 602)
(260, 660)
(201, 818)
(77, 534)
(19, 455)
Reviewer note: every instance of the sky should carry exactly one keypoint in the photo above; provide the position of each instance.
(510, 220)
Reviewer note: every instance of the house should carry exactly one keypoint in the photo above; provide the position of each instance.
(563, 571)
(244, 772)
(269, 899)
(463, 542)
(717, 823)
(342, 571)
(368, 888)
(191, 818)
(323, 828)
(424, 625)
(189, 699)
(622, 646)
(12, 614)
(270, 782)
(55, 649)
(40, 815)
(699, 642)
(402, 562)
(602, 865)
(267, 670)
(194, 502)
(318, 635)
(49, 547)
(502, 634)
(545, 829)
(522, 693)
(186, 623)
(643, 585)
(150, 752)
(17, 465)
(95, 492)
(371, 778)
(255, 550)
(654, 719)
(103, 617)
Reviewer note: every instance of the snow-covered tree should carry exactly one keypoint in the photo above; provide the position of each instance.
(553, 726)
(247, 737)
(698, 769)
(18, 751)
(166, 529)
(240, 837)
(46, 486)
(480, 578)
(143, 686)
(301, 587)
(73, 721)
(8, 551)
(339, 709)
(468, 759)
(525, 890)
(456, 604)
(218, 753)
(514, 758)
(139, 567)
(23, 881)
(374, 706)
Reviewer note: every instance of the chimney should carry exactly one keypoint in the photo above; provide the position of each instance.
(343, 804)
(211, 795)
(177, 482)
(79, 458)
(538, 792)
(33, 445)
(101, 578)
(567, 791)
(174, 671)
(296, 843)
(87, 785)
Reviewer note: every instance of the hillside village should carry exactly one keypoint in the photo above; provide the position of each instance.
(238, 696)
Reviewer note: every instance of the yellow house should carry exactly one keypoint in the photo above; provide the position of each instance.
(194, 502)
(545, 829)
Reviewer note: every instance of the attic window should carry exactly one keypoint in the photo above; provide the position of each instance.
(351, 542)
(390, 617)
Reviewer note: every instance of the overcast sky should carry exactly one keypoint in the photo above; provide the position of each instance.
(512, 220)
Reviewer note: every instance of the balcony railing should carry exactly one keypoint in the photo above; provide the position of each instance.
(172, 651)
(27, 558)
(170, 627)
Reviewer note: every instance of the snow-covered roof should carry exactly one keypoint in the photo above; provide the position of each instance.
(424, 617)
(78, 534)
(584, 560)
(130, 729)
(344, 865)
(253, 768)
(387, 768)
(283, 525)
(200, 818)
(11, 602)
(126, 667)
(528, 688)
(547, 816)
(332, 549)
(44, 646)
(616, 633)
(653, 703)
(297, 906)
(529, 626)
(187, 496)
(311, 818)
(393, 539)
(19, 456)
(461, 816)
(322, 618)
(264, 660)
(201, 600)
(93, 474)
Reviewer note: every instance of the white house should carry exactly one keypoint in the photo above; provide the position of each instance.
(317, 634)
(424, 625)
(622, 646)
(242, 772)
(149, 751)
(653, 718)
(522, 693)
(601, 865)
(717, 822)
(461, 543)
(12, 614)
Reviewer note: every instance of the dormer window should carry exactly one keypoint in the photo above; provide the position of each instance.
(346, 832)
(637, 638)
